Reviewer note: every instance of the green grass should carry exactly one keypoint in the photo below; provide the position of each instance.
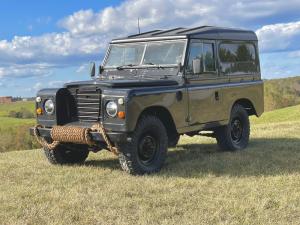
(281, 115)
(15, 122)
(198, 184)
(14, 133)
(15, 106)
(280, 93)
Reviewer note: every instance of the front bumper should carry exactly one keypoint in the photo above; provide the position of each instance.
(114, 137)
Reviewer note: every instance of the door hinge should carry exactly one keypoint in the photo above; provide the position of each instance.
(188, 119)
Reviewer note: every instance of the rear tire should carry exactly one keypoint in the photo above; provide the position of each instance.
(234, 136)
(147, 151)
(67, 154)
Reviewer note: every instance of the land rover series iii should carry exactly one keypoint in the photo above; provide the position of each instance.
(151, 88)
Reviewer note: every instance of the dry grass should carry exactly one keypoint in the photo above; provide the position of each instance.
(198, 185)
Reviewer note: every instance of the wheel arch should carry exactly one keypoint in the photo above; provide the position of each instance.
(247, 104)
(163, 114)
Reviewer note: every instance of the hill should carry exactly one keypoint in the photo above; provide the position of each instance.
(280, 93)
(198, 184)
(14, 131)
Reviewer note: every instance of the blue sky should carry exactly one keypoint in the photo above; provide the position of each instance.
(46, 43)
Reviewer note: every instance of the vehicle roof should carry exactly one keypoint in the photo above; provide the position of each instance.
(205, 32)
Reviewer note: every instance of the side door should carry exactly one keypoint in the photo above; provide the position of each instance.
(203, 83)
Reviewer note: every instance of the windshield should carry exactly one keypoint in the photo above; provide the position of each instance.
(151, 53)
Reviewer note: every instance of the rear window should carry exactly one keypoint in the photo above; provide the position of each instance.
(238, 58)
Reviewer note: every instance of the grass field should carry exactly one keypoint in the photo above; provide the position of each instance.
(13, 131)
(198, 184)
(15, 106)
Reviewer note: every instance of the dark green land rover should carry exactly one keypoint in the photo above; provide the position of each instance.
(151, 88)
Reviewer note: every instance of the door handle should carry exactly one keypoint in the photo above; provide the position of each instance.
(217, 97)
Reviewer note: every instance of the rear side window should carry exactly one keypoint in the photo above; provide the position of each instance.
(237, 58)
(203, 52)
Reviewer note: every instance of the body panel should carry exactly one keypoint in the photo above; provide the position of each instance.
(194, 102)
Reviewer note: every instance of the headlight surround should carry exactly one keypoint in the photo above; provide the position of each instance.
(49, 107)
(111, 108)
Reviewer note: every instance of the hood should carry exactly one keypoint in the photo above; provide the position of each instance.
(124, 83)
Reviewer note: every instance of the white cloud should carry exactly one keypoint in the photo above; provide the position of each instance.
(279, 37)
(56, 83)
(40, 85)
(82, 68)
(294, 54)
(87, 32)
(51, 48)
(27, 70)
(156, 13)
(37, 86)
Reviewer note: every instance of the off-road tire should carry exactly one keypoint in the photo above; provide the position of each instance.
(67, 154)
(131, 154)
(173, 139)
(226, 135)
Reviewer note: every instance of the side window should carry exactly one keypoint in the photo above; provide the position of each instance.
(204, 52)
(237, 58)
(195, 53)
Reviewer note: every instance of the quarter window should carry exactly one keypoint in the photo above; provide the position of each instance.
(237, 58)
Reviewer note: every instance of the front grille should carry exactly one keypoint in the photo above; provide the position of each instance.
(88, 100)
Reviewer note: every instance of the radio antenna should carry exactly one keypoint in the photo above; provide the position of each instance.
(138, 23)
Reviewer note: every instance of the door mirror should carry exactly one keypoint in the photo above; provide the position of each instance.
(101, 69)
(92, 69)
(196, 66)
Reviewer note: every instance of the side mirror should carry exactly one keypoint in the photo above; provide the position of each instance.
(92, 69)
(101, 69)
(196, 66)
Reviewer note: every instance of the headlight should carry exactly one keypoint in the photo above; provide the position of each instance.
(49, 106)
(38, 99)
(111, 109)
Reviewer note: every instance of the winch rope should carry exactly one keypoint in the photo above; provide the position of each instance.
(100, 129)
(72, 134)
(42, 140)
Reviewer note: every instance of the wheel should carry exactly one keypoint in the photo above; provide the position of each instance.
(147, 151)
(67, 154)
(234, 136)
(173, 139)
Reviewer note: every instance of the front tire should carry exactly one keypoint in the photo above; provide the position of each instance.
(235, 136)
(147, 151)
(173, 139)
(67, 154)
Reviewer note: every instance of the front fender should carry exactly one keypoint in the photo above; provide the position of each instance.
(167, 99)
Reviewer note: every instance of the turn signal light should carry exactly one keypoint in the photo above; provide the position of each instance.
(121, 115)
(39, 111)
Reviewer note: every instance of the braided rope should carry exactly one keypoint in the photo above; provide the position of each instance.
(71, 134)
(42, 141)
(99, 128)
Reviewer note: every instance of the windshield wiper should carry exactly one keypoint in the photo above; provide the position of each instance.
(153, 64)
(124, 66)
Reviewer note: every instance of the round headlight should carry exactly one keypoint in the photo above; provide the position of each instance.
(38, 99)
(49, 106)
(111, 109)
